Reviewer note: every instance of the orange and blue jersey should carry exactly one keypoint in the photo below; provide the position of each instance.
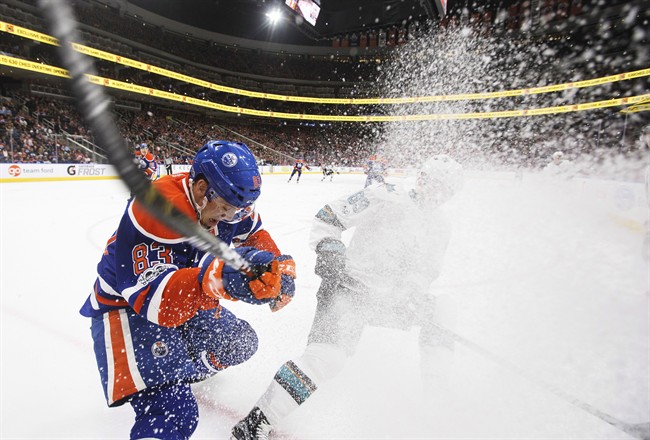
(151, 323)
(297, 168)
(147, 163)
(154, 270)
(299, 164)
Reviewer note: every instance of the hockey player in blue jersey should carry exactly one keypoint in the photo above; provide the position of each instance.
(376, 170)
(146, 161)
(382, 278)
(297, 168)
(157, 317)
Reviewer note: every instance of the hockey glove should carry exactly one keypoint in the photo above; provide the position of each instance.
(221, 281)
(330, 260)
(288, 274)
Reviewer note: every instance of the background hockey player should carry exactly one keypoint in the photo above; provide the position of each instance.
(297, 168)
(383, 278)
(157, 320)
(559, 167)
(376, 169)
(146, 162)
(328, 170)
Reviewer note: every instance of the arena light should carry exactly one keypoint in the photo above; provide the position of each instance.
(274, 16)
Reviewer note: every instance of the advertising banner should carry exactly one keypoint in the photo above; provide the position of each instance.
(34, 172)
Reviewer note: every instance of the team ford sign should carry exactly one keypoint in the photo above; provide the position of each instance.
(30, 172)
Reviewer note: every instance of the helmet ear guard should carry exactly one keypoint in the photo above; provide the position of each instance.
(211, 193)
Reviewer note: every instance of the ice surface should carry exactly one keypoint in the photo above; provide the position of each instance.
(544, 275)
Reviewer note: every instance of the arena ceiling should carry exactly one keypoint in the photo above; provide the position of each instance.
(248, 19)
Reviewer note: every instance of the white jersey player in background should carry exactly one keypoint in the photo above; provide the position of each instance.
(559, 167)
(328, 171)
(382, 278)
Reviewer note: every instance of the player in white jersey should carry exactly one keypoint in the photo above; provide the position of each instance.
(559, 167)
(382, 278)
(328, 171)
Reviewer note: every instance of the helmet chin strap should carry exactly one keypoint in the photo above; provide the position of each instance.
(197, 208)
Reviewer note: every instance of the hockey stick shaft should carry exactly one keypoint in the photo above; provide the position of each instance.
(637, 430)
(94, 106)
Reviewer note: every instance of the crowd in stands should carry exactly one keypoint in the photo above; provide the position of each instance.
(37, 129)
(34, 129)
(272, 142)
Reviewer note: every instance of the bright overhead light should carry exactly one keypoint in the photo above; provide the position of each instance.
(274, 16)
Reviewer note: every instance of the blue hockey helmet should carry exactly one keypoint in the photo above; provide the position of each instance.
(230, 170)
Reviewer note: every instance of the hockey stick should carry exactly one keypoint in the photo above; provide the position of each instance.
(636, 430)
(94, 106)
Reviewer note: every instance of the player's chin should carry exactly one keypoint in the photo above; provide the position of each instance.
(209, 223)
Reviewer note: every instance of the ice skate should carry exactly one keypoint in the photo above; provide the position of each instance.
(254, 426)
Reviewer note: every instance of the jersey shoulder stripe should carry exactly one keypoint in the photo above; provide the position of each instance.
(176, 190)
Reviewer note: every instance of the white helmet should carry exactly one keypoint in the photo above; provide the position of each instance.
(558, 155)
(439, 178)
(645, 134)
